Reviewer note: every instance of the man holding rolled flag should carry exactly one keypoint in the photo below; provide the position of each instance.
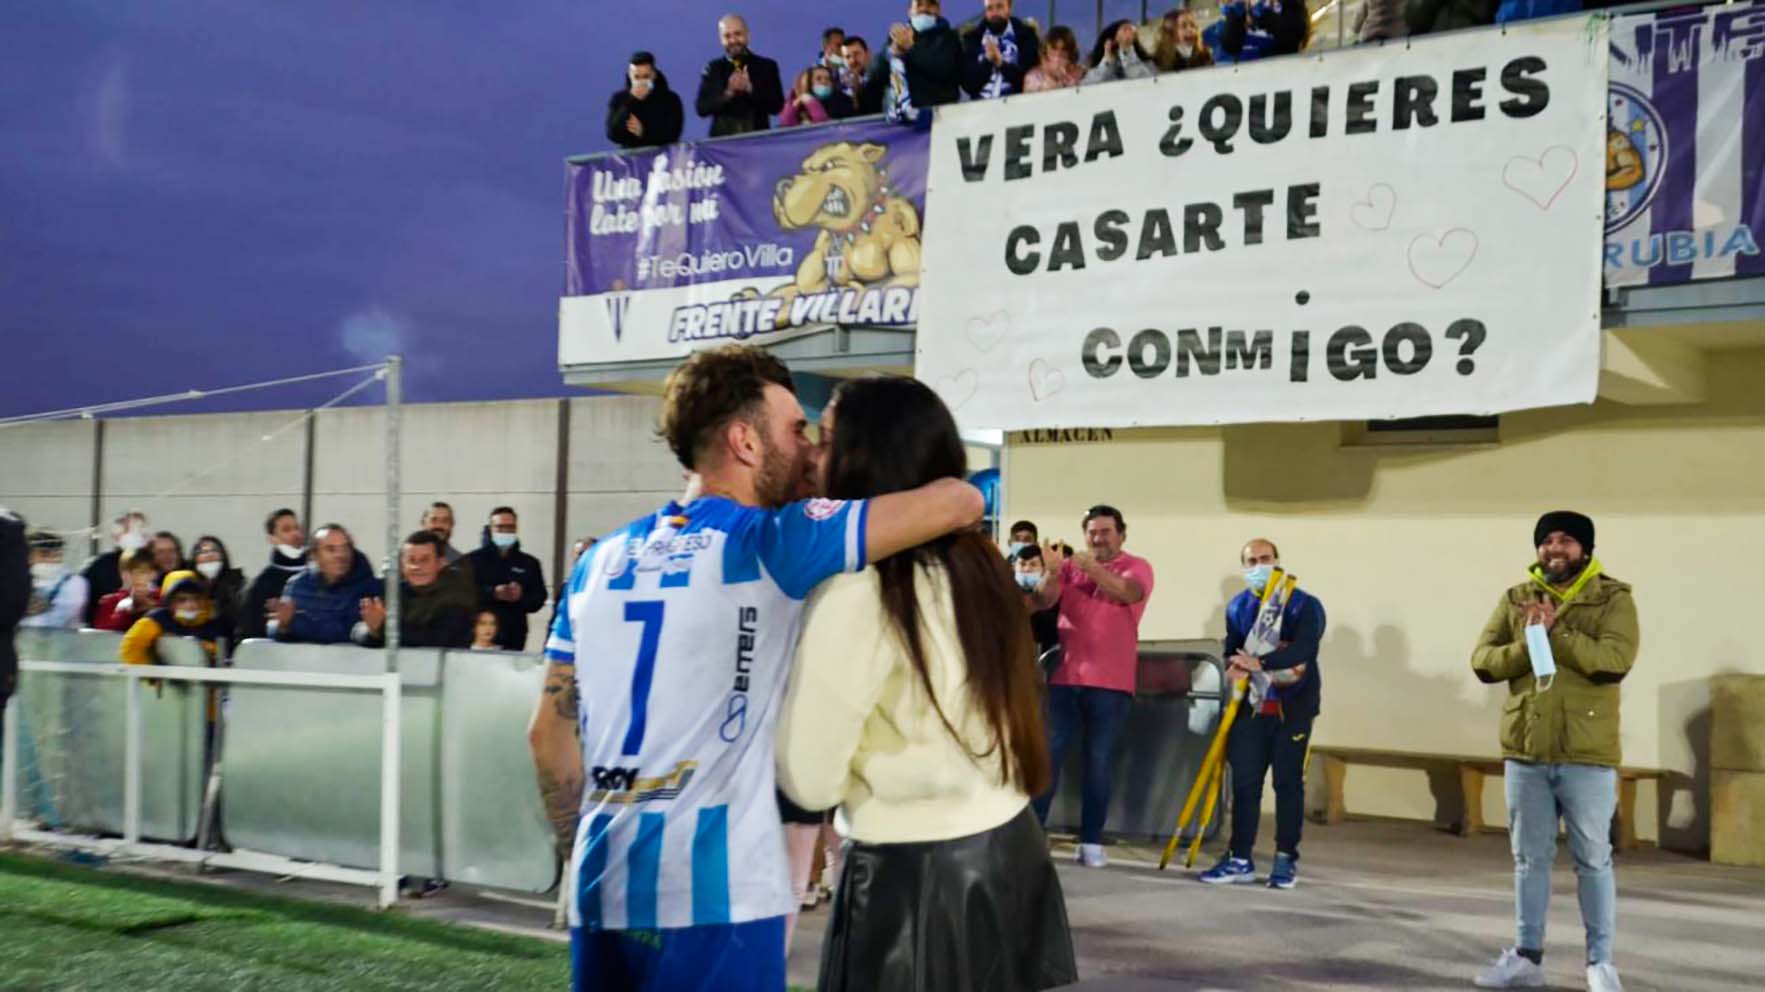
(1272, 634)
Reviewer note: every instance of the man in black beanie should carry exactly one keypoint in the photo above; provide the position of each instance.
(1561, 640)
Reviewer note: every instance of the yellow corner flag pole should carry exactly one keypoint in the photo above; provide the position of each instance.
(1210, 767)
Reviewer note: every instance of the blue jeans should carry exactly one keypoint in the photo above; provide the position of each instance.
(1103, 713)
(1584, 797)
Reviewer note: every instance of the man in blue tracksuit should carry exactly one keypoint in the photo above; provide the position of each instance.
(1276, 732)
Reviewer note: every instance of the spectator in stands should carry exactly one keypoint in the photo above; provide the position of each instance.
(287, 559)
(739, 91)
(440, 519)
(1562, 639)
(1526, 10)
(577, 550)
(119, 610)
(426, 617)
(1179, 43)
(998, 52)
(15, 596)
(852, 77)
(1102, 594)
(1029, 570)
(322, 604)
(510, 583)
(1060, 66)
(186, 611)
(484, 631)
(1379, 20)
(226, 584)
(1118, 55)
(645, 112)
(1273, 726)
(1263, 28)
(103, 574)
(58, 598)
(168, 553)
(833, 49)
(922, 67)
(815, 99)
(1023, 535)
(1429, 16)
(913, 706)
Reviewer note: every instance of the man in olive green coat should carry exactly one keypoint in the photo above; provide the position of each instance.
(1562, 640)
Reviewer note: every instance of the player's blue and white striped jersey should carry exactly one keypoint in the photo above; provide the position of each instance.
(682, 628)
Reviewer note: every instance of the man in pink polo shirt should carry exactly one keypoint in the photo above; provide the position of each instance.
(1102, 594)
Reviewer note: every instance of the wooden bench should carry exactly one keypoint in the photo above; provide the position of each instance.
(1471, 771)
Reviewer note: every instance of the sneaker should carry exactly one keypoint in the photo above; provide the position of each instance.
(1285, 874)
(1092, 856)
(1511, 971)
(1229, 871)
(1603, 977)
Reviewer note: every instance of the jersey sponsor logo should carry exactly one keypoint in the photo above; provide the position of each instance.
(735, 719)
(624, 786)
(822, 509)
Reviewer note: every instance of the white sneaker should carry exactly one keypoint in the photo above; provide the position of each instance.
(1511, 971)
(1092, 856)
(1603, 977)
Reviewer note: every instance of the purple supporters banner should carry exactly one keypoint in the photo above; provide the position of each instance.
(758, 238)
(1685, 145)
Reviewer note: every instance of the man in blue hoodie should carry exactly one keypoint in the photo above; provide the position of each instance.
(322, 604)
(1275, 730)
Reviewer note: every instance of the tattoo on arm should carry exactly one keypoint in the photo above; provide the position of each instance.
(562, 793)
(560, 688)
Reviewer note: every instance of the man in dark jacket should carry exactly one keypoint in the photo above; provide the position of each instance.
(287, 559)
(510, 583)
(427, 618)
(740, 91)
(15, 595)
(920, 68)
(1255, 29)
(645, 113)
(997, 53)
(322, 604)
(1273, 726)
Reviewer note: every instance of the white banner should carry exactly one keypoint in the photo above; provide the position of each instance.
(1392, 231)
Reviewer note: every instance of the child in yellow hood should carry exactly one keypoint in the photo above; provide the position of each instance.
(185, 610)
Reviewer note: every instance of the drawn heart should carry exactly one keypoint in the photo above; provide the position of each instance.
(959, 388)
(1375, 212)
(1045, 381)
(1437, 261)
(986, 332)
(1544, 178)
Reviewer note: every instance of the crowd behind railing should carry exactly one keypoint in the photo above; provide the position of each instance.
(926, 61)
(317, 591)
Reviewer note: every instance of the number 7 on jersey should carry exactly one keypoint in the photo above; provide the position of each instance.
(649, 613)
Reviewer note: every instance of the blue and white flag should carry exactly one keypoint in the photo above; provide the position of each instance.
(1685, 146)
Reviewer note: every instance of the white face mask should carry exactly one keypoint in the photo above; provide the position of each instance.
(209, 569)
(132, 540)
(46, 572)
(503, 541)
(291, 550)
(642, 87)
(188, 616)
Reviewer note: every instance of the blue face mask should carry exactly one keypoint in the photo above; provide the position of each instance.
(1029, 581)
(1257, 578)
(821, 92)
(1013, 548)
(504, 541)
(924, 22)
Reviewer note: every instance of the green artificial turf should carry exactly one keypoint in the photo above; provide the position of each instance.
(69, 928)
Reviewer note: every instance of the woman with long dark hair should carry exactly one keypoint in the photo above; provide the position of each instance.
(1118, 54)
(916, 708)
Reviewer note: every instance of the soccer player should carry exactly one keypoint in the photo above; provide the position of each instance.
(657, 756)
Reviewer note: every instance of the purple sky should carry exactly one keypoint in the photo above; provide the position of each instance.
(212, 192)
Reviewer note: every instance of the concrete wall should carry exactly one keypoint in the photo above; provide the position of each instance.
(1409, 551)
(221, 474)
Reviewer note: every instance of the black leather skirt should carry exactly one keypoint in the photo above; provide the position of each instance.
(982, 913)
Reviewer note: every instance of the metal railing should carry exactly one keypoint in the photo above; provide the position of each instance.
(384, 880)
